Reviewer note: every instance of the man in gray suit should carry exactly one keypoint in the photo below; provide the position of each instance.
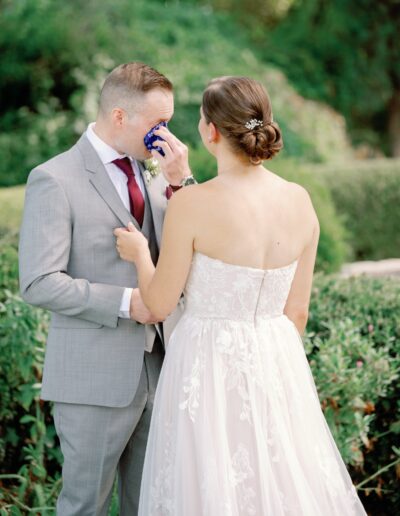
(104, 348)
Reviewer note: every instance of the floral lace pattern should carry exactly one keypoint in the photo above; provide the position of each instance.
(237, 427)
(220, 290)
(161, 490)
(191, 386)
(241, 472)
(239, 367)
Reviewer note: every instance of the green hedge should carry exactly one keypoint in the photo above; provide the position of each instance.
(29, 453)
(367, 194)
(353, 344)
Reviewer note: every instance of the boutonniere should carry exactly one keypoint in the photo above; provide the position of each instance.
(152, 169)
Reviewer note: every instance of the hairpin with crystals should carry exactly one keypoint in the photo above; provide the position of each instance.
(253, 123)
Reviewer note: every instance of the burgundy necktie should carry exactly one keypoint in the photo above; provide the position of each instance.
(135, 195)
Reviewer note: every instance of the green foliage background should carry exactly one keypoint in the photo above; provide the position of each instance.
(54, 56)
(345, 53)
(51, 85)
(367, 194)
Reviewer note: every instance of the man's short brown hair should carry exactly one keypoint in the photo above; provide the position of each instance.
(127, 83)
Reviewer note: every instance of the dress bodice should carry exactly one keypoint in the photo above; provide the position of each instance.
(217, 289)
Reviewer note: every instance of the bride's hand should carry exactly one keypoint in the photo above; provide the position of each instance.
(131, 244)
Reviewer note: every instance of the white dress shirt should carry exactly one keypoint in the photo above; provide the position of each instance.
(107, 155)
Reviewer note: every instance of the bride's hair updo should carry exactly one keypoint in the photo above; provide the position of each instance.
(241, 110)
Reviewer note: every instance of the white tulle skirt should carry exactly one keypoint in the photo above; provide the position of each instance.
(237, 427)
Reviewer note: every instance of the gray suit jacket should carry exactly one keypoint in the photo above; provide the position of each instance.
(69, 265)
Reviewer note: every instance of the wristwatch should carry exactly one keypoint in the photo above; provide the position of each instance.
(188, 180)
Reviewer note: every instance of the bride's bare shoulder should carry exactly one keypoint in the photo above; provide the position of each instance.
(301, 200)
(296, 192)
(298, 198)
(186, 199)
(192, 192)
(299, 192)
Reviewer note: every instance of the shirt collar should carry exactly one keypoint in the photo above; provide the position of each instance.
(106, 153)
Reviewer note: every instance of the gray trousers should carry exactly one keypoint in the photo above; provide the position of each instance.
(96, 442)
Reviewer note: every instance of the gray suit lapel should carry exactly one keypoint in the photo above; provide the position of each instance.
(158, 201)
(102, 183)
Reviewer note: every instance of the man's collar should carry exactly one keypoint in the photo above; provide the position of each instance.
(107, 154)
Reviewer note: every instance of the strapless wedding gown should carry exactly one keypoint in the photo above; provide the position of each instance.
(237, 427)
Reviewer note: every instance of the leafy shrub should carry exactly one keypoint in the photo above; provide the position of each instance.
(350, 57)
(29, 453)
(353, 344)
(52, 84)
(367, 194)
(35, 138)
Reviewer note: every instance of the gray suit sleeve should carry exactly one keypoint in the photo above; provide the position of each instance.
(44, 248)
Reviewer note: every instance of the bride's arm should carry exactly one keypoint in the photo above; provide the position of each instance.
(297, 303)
(162, 286)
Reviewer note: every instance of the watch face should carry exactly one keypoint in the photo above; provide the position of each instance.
(189, 181)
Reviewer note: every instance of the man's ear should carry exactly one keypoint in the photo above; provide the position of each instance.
(117, 116)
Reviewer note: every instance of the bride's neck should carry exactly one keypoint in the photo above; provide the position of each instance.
(233, 166)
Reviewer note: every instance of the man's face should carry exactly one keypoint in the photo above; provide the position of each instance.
(155, 106)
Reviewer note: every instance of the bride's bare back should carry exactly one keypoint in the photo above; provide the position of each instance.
(257, 219)
(253, 219)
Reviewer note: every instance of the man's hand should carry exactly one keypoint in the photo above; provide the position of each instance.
(175, 164)
(138, 310)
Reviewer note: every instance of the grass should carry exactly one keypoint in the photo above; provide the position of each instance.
(11, 206)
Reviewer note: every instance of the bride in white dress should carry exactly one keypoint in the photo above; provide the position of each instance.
(237, 427)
